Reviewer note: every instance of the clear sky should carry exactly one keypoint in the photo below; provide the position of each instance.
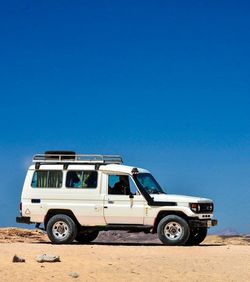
(166, 84)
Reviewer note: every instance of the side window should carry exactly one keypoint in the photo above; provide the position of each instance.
(81, 179)
(121, 185)
(47, 179)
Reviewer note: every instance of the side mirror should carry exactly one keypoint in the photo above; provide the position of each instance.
(131, 196)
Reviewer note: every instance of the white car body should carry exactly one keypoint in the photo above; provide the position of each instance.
(97, 207)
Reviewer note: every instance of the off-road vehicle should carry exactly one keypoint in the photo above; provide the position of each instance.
(75, 196)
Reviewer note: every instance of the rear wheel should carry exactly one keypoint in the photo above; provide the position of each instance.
(197, 236)
(173, 230)
(61, 229)
(87, 236)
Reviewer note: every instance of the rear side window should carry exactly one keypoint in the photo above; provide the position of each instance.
(47, 179)
(81, 179)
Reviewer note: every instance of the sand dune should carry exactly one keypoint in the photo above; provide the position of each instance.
(124, 256)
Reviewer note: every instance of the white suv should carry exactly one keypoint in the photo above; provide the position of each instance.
(76, 196)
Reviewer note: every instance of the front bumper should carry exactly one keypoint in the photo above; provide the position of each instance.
(203, 223)
(23, 219)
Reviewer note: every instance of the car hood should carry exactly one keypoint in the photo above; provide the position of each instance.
(178, 198)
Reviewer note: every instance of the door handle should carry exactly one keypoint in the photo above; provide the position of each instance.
(110, 202)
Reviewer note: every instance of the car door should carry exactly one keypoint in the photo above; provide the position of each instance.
(126, 207)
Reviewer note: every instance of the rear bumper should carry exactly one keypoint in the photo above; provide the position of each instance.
(23, 219)
(203, 223)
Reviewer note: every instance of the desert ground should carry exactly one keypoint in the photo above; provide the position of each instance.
(122, 256)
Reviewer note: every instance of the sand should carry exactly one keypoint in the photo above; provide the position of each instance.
(217, 259)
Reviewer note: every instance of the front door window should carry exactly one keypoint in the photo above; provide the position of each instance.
(121, 185)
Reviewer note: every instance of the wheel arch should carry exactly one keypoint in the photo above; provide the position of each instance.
(53, 212)
(162, 214)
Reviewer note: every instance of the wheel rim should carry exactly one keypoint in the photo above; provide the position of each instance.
(173, 230)
(60, 229)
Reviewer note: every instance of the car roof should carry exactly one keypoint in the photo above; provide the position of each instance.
(112, 168)
(121, 168)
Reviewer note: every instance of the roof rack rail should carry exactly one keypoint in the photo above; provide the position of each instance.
(77, 158)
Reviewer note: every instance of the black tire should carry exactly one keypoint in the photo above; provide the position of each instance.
(173, 230)
(197, 236)
(86, 236)
(61, 229)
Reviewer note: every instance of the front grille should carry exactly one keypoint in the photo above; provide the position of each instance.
(206, 207)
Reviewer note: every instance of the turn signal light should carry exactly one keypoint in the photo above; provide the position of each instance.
(194, 207)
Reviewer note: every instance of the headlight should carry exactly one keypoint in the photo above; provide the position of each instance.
(201, 207)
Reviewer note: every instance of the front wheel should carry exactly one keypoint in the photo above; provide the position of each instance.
(197, 236)
(61, 229)
(173, 230)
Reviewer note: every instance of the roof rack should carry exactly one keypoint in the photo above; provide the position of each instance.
(77, 158)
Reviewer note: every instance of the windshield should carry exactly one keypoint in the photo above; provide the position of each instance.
(149, 184)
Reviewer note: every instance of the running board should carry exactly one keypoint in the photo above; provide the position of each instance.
(129, 227)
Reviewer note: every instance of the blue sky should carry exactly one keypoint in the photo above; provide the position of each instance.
(164, 83)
